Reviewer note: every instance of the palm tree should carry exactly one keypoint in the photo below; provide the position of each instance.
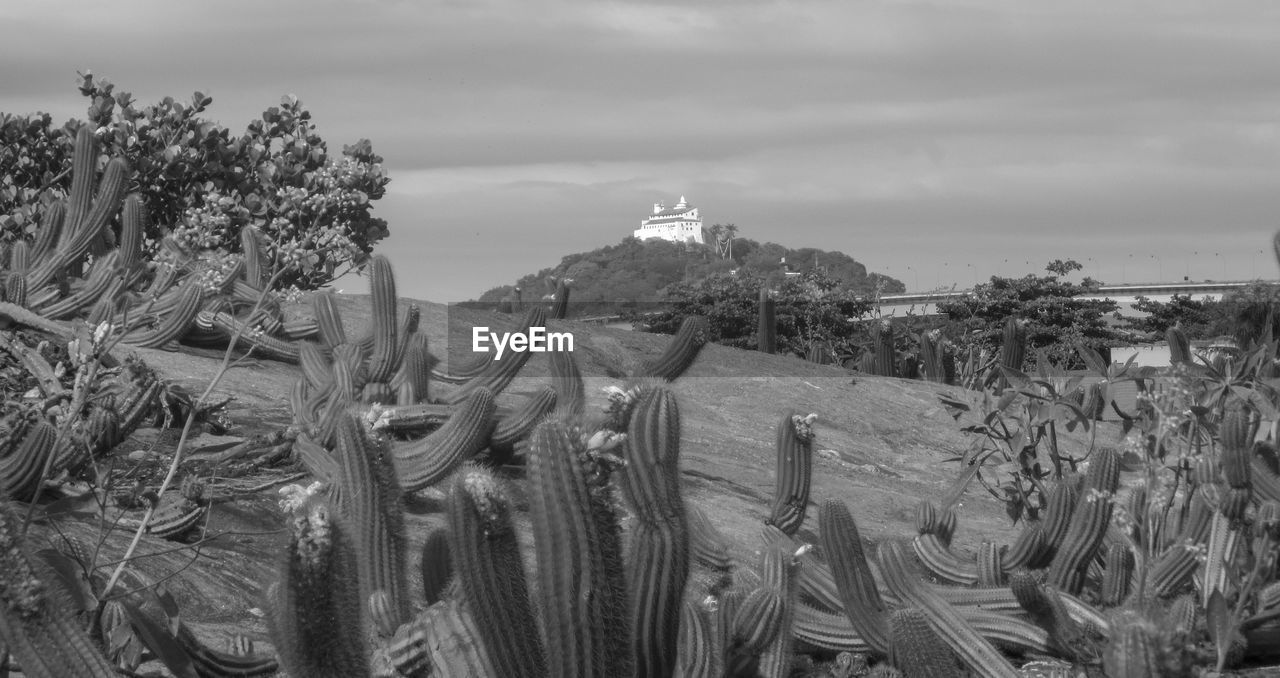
(729, 231)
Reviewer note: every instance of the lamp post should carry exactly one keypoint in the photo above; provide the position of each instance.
(1160, 266)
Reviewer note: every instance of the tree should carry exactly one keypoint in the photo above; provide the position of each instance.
(203, 185)
(809, 308)
(1200, 319)
(1057, 320)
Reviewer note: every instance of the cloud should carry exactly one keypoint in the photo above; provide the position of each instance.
(904, 133)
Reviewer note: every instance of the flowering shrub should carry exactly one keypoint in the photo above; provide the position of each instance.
(203, 185)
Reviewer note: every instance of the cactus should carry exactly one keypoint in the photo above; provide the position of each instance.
(659, 550)
(413, 379)
(519, 423)
(1133, 649)
(794, 474)
(133, 229)
(1044, 604)
(560, 306)
(174, 324)
(976, 652)
(858, 593)
(1013, 349)
(779, 568)
(707, 545)
(21, 469)
(882, 340)
(582, 590)
(571, 397)
(371, 502)
(316, 606)
(436, 565)
(915, 649)
(1117, 575)
(42, 634)
(211, 663)
(486, 554)
(497, 374)
(382, 288)
(696, 655)
(756, 624)
(1179, 345)
(1088, 523)
(681, 352)
(49, 232)
(428, 460)
(767, 330)
(325, 309)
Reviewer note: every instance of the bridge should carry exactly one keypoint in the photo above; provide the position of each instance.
(925, 303)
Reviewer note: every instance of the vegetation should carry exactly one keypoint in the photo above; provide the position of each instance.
(203, 185)
(634, 274)
(1154, 557)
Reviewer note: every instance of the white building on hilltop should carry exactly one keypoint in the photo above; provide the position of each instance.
(677, 224)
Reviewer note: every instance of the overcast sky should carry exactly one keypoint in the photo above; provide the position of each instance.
(935, 142)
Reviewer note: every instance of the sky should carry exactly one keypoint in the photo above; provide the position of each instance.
(936, 142)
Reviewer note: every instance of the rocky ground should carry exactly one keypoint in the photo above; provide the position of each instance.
(881, 446)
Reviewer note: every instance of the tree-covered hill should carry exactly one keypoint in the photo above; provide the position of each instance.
(640, 270)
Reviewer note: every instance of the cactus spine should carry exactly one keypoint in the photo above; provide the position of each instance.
(486, 552)
(658, 566)
(317, 605)
(795, 472)
(582, 588)
(916, 650)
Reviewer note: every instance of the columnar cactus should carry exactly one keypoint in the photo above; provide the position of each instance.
(581, 580)
(44, 636)
(795, 472)
(882, 340)
(436, 565)
(382, 288)
(428, 460)
(972, 648)
(1179, 345)
(560, 307)
(767, 330)
(694, 332)
(915, 649)
(659, 550)
(858, 593)
(517, 424)
(571, 396)
(1088, 523)
(316, 607)
(1013, 348)
(486, 552)
(371, 501)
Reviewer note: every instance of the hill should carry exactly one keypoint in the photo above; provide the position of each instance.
(636, 270)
